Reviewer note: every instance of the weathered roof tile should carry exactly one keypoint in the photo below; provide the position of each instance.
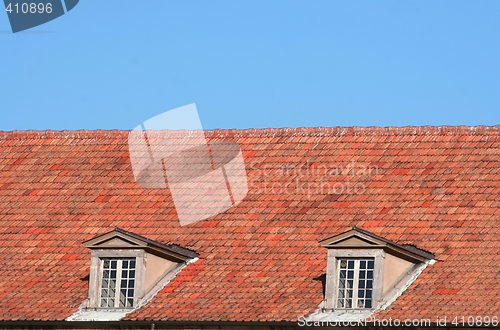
(433, 187)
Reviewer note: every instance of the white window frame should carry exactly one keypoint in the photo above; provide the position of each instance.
(355, 279)
(118, 279)
(332, 275)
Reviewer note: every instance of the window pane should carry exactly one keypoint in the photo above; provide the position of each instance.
(341, 294)
(361, 293)
(370, 264)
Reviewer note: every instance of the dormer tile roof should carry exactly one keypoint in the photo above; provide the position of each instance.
(437, 188)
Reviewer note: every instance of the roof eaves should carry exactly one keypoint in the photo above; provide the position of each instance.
(412, 249)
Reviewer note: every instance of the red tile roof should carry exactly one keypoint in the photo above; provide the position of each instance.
(437, 188)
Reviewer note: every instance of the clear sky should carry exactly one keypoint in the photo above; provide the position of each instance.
(115, 63)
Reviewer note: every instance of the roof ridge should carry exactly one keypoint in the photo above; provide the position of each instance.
(290, 131)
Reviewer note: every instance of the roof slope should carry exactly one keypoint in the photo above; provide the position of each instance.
(436, 188)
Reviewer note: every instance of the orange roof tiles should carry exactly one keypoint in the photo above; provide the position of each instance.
(437, 188)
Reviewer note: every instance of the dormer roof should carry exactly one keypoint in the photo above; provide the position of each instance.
(123, 239)
(358, 238)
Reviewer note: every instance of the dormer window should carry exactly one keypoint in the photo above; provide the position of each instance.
(366, 271)
(126, 271)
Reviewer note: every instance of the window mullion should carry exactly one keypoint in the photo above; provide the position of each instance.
(118, 282)
(356, 284)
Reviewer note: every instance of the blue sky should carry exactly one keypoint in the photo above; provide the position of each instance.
(116, 63)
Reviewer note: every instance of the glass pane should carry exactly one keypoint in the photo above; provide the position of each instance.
(369, 284)
(342, 273)
(350, 274)
(125, 264)
(362, 264)
(113, 264)
(130, 302)
(361, 284)
(124, 274)
(369, 274)
(351, 264)
(131, 283)
(131, 292)
(131, 273)
(370, 264)
(132, 263)
(113, 274)
(368, 304)
(362, 274)
(104, 303)
(369, 294)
